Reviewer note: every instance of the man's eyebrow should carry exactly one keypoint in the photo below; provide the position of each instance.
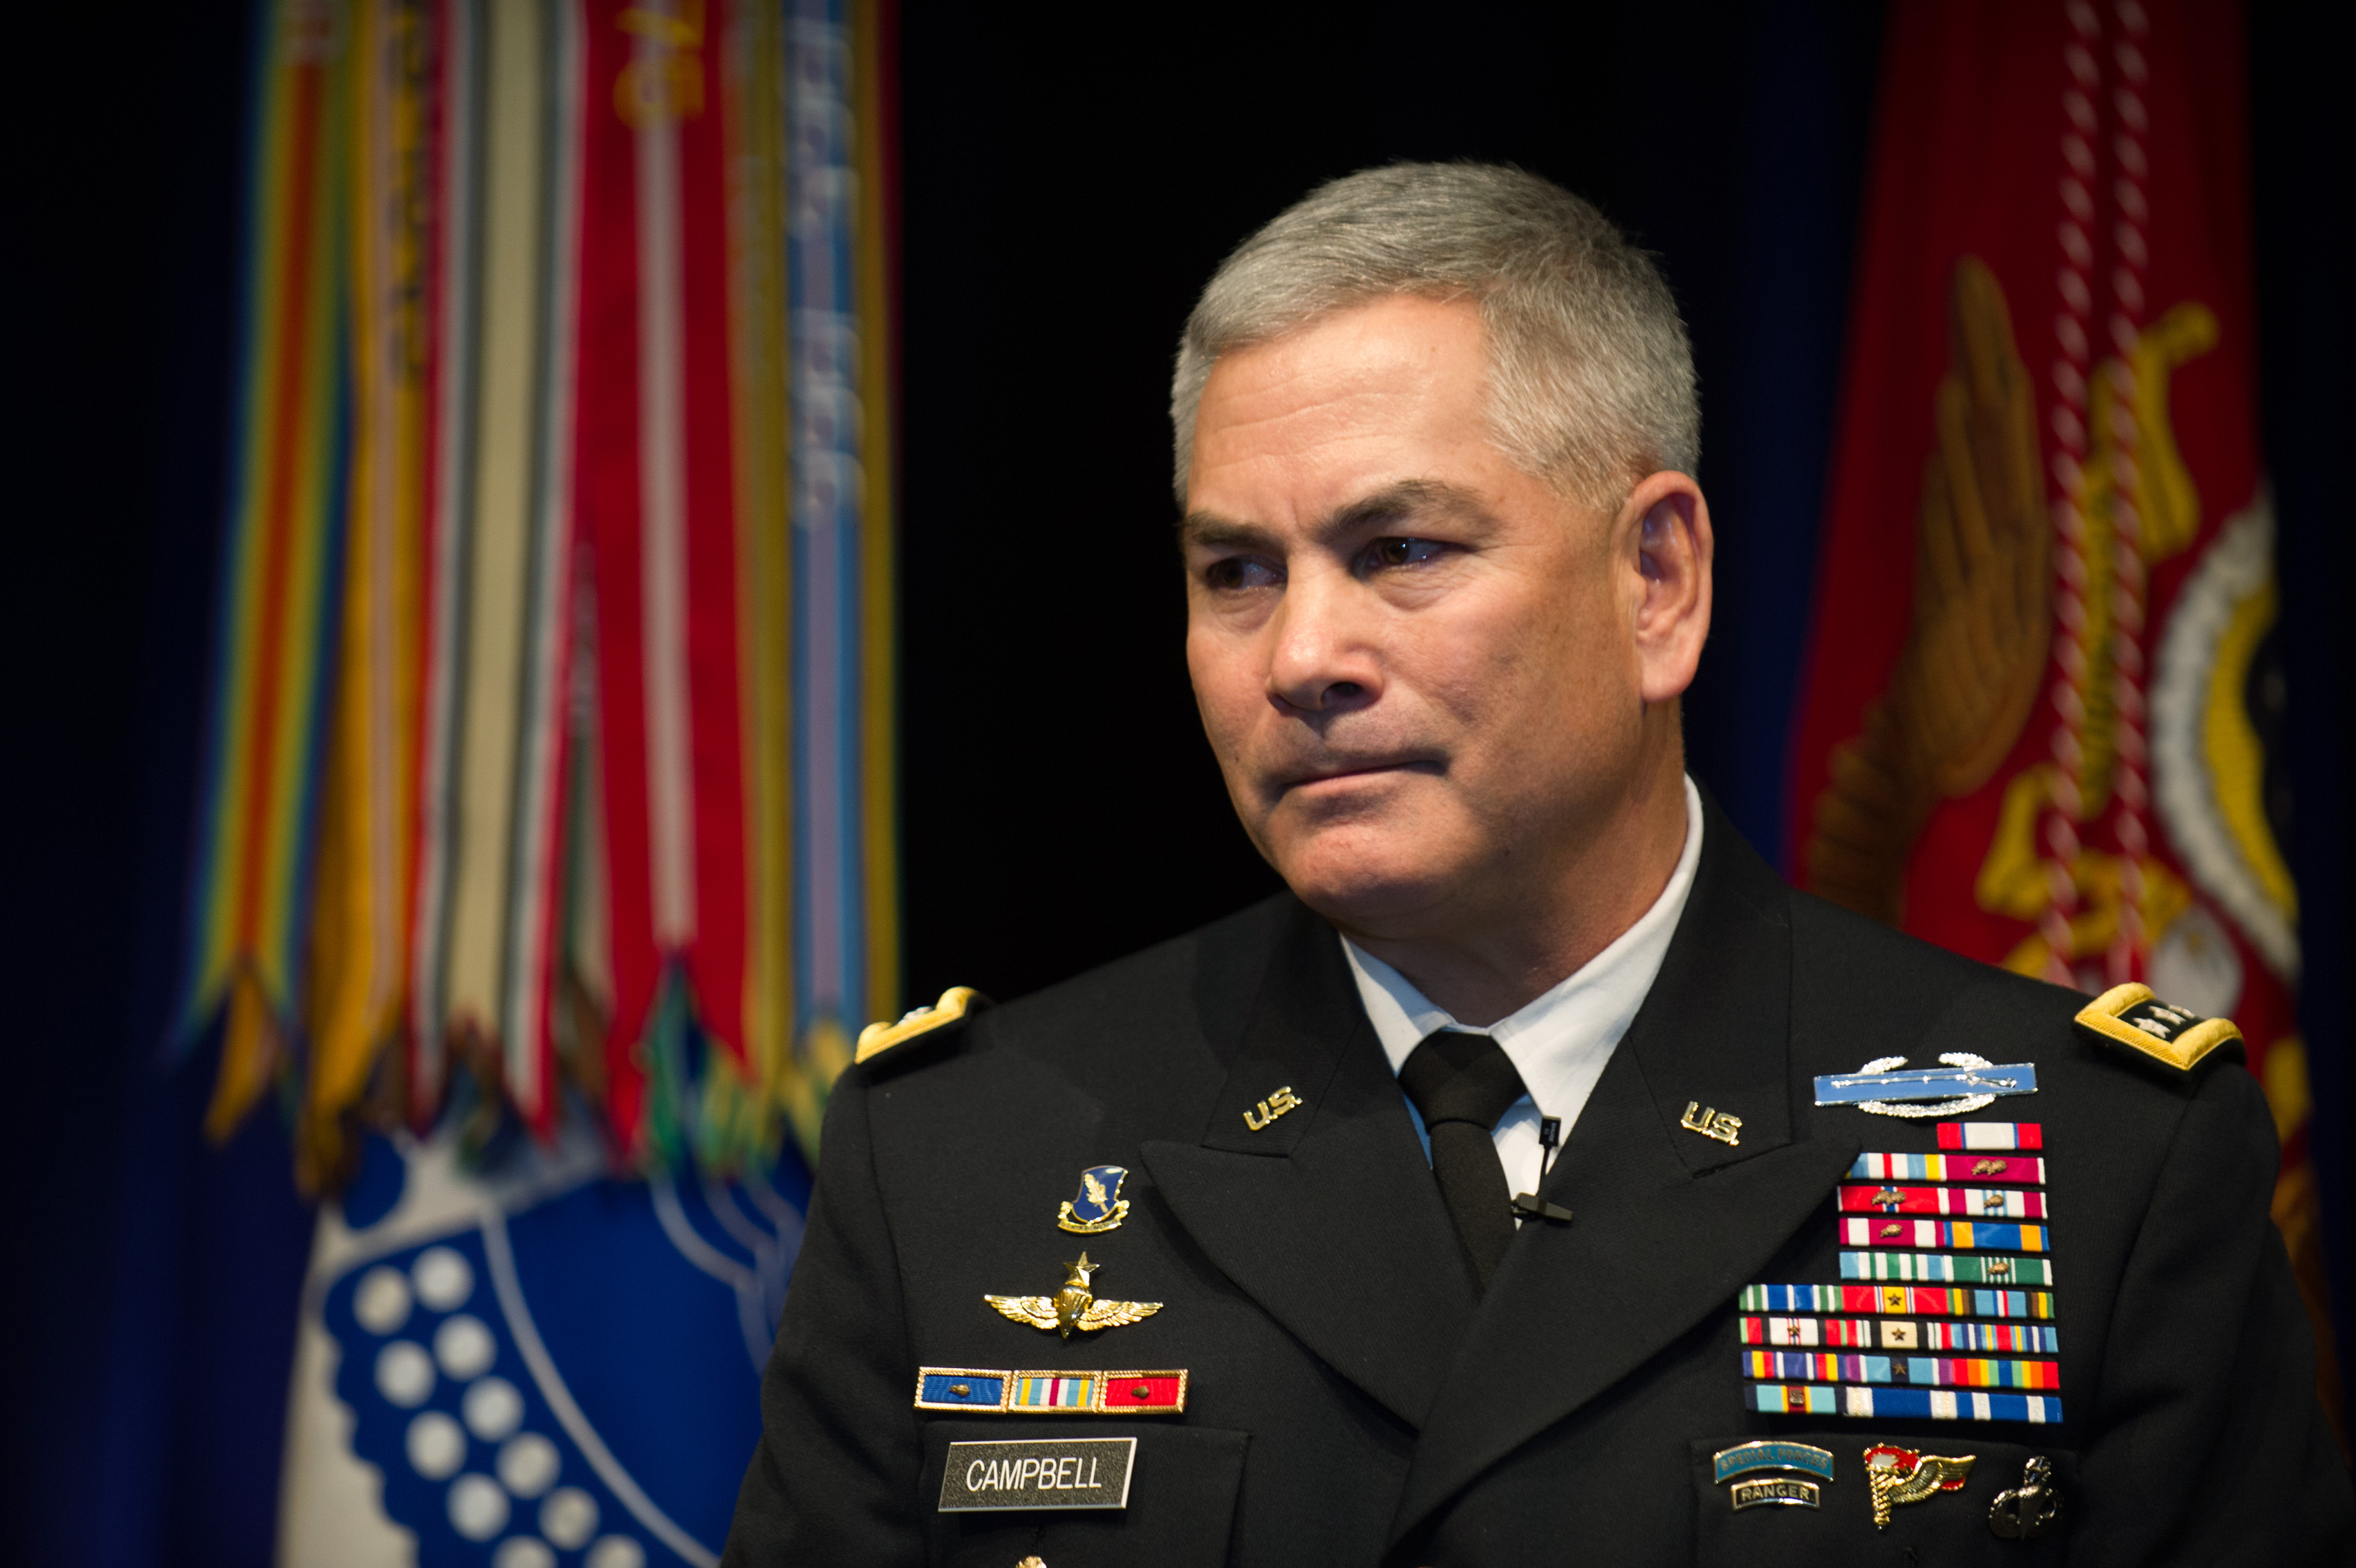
(1407, 499)
(1209, 531)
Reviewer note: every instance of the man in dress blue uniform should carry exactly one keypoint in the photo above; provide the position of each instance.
(1539, 1176)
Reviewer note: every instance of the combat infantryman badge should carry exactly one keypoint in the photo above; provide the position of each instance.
(1967, 1084)
(1899, 1475)
(1073, 1306)
(1099, 1207)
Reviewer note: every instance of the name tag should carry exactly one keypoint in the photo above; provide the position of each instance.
(1042, 1472)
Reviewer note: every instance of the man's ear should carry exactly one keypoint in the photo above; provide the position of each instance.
(1666, 524)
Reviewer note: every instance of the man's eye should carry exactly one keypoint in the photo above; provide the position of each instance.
(1404, 552)
(1236, 572)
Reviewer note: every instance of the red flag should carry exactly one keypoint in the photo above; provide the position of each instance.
(2040, 692)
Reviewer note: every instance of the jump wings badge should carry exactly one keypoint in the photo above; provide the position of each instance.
(1099, 1207)
(1073, 1306)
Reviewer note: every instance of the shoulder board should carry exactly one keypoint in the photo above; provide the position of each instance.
(2132, 1018)
(956, 1003)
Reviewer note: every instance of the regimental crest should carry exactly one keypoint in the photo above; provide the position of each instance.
(1073, 1306)
(1099, 1207)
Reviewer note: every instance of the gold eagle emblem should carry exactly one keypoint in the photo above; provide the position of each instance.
(1073, 1306)
(1982, 620)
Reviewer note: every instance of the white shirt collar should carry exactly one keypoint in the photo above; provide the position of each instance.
(1559, 1041)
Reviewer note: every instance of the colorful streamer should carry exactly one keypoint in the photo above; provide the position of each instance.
(360, 930)
(842, 553)
(553, 732)
(660, 480)
(274, 665)
(754, 61)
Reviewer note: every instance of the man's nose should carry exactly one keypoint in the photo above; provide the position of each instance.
(1324, 659)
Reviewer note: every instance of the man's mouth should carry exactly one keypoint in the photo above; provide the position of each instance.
(1359, 768)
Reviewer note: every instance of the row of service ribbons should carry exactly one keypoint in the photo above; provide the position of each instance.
(1935, 1317)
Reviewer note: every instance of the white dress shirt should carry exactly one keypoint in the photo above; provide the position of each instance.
(1558, 1041)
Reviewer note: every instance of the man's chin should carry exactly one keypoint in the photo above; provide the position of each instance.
(1360, 885)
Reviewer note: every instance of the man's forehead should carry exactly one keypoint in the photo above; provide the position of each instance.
(1397, 501)
(1342, 414)
(1351, 373)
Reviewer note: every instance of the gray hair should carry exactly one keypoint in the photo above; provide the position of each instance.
(1591, 375)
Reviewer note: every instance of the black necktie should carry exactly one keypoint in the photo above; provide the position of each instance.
(1461, 1083)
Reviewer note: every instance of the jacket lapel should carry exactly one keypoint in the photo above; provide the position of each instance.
(1326, 1215)
(1670, 1223)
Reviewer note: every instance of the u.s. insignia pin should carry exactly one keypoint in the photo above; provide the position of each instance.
(1711, 1122)
(1099, 1206)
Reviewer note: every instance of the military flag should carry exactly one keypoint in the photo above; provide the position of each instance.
(547, 864)
(2041, 696)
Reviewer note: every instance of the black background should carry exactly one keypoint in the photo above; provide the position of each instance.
(1071, 181)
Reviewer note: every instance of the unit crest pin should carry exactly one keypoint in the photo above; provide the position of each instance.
(1099, 1207)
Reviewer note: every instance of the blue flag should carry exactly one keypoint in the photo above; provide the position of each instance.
(533, 1364)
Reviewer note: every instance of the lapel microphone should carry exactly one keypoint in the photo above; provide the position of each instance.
(1528, 1205)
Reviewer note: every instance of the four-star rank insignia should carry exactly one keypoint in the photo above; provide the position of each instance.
(1073, 1306)
(1099, 1207)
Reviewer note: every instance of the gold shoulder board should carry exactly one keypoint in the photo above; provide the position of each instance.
(2132, 1017)
(955, 1003)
